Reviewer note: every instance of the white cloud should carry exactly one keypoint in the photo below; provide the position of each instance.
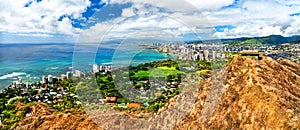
(179, 5)
(155, 25)
(250, 18)
(257, 18)
(175, 17)
(176, 20)
(250, 30)
(209, 4)
(34, 35)
(40, 17)
(127, 12)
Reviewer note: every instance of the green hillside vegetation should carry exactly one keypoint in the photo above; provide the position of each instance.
(248, 42)
(257, 41)
(103, 84)
(252, 42)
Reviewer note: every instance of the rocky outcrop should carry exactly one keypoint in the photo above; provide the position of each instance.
(43, 118)
(251, 94)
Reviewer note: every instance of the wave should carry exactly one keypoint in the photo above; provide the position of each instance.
(52, 68)
(12, 75)
(107, 63)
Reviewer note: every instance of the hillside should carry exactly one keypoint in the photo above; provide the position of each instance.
(268, 40)
(42, 117)
(253, 94)
(245, 94)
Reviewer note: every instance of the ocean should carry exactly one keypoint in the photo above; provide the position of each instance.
(30, 62)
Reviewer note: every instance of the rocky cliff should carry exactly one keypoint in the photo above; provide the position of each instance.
(44, 118)
(248, 94)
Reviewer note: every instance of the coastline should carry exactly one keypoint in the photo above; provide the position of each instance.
(33, 75)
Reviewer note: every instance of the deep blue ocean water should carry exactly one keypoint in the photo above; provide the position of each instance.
(30, 62)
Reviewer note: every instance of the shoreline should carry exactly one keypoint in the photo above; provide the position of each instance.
(31, 78)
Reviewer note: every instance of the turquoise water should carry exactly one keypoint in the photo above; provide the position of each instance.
(30, 62)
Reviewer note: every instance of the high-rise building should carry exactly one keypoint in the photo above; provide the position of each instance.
(14, 84)
(213, 55)
(27, 84)
(20, 80)
(95, 68)
(69, 74)
(102, 68)
(206, 53)
(50, 78)
(201, 57)
(108, 68)
(44, 79)
(218, 55)
(195, 57)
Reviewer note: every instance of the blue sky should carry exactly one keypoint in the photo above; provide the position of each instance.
(46, 21)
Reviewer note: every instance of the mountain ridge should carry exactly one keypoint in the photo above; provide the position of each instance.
(256, 95)
(264, 40)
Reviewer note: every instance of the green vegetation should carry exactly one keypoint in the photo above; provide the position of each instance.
(92, 89)
(218, 64)
(249, 42)
(157, 72)
(102, 85)
(252, 42)
(67, 84)
(258, 41)
(204, 65)
(11, 114)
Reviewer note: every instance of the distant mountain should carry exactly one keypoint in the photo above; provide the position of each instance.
(295, 42)
(268, 40)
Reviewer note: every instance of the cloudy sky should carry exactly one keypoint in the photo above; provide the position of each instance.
(40, 21)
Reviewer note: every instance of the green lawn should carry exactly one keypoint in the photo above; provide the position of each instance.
(157, 72)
